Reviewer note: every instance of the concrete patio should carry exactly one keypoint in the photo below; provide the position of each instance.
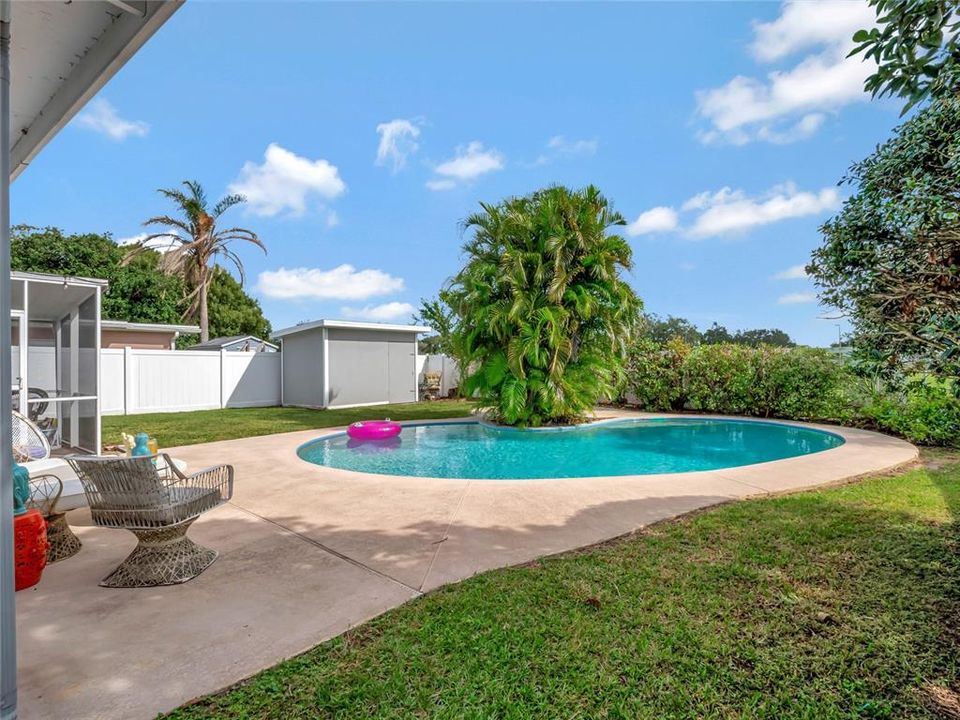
(307, 552)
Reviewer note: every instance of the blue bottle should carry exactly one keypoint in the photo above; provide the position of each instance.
(141, 445)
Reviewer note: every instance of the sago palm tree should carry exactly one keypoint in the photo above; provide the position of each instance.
(192, 241)
(544, 316)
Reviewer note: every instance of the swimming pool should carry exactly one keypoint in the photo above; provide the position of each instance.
(471, 450)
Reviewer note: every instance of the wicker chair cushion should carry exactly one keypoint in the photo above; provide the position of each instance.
(185, 502)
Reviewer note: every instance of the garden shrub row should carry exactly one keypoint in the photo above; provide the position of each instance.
(796, 383)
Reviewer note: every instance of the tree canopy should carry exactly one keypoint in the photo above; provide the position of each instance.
(916, 46)
(890, 258)
(543, 314)
(661, 331)
(138, 291)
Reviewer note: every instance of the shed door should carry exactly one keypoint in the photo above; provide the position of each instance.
(401, 382)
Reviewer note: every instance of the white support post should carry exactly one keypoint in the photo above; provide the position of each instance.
(127, 379)
(325, 386)
(8, 616)
(224, 395)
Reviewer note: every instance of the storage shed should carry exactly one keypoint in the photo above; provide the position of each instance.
(336, 363)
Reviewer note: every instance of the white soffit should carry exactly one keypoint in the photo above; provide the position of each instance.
(62, 53)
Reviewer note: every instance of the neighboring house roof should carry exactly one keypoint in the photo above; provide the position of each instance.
(350, 325)
(58, 279)
(222, 342)
(149, 327)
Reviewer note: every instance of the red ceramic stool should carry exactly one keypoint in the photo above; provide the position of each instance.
(30, 548)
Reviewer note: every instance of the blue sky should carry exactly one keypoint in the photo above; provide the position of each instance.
(718, 129)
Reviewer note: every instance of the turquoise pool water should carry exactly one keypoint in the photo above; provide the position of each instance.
(630, 447)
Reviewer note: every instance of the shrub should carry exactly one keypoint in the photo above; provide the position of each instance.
(719, 378)
(800, 383)
(925, 410)
(654, 374)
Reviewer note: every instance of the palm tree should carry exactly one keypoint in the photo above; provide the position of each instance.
(191, 241)
(543, 316)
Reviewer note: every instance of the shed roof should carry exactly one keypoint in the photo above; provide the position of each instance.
(221, 342)
(350, 324)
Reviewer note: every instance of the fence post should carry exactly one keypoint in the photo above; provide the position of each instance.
(223, 378)
(127, 378)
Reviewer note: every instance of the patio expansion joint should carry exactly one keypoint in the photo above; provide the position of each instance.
(346, 558)
(446, 534)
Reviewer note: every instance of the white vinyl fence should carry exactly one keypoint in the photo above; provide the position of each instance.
(145, 381)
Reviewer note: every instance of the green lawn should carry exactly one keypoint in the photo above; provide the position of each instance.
(189, 428)
(840, 603)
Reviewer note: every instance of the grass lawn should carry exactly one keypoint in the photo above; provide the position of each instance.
(189, 428)
(839, 603)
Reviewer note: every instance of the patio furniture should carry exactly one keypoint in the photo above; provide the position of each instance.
(29, 442)
(45, 492)
(129, 493)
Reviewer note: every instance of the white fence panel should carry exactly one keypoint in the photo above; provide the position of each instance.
(112, 395)
(251, 379)
(145, 381)
(170, 381)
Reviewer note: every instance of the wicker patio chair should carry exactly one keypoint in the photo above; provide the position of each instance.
(158, 507)
(29, 442)
(44, 493)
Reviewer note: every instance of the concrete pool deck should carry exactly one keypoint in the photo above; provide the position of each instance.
(306, 552)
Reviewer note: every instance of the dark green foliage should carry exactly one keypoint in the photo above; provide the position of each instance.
(797, 383)
(654, 374)
(139, 291)
(720, 379)
(917, 48)
(436, 314)
(232, 311)
(543, 316)
(660, 330)
(923, 410)
(890, 259)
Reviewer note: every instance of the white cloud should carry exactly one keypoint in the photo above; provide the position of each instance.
(730, 211)
(799, 298)
(161, 244)
(727, 211)
(344, 282)
(795, 272)
(658, 219)
(379, 313)
(440, 184)
(100, 116)
(788, 104)
(559, 146)
(332, 219)
(469, 162)
(285, 181)
(398, 140)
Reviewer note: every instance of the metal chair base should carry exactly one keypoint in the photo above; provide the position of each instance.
(62, 542)
(165, 556)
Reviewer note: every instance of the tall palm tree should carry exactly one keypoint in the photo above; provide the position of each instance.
(191, 241)
(543, 315)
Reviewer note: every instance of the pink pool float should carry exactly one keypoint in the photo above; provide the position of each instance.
(374, 430)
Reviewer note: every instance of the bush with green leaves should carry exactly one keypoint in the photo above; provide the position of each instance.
(719, 379)
(925, 409)
(654, 374)
(543, 317)
(801, 383)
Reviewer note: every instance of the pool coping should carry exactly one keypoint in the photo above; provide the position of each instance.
(901, 452)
